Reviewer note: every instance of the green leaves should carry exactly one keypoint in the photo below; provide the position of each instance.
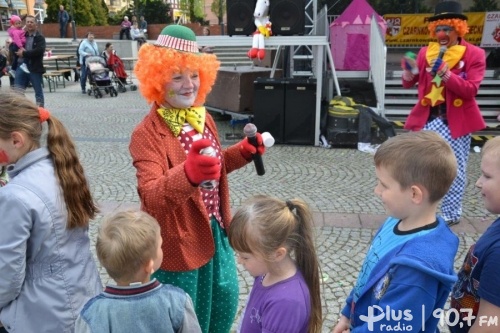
(85, 12)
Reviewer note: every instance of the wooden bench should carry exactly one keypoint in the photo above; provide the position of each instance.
(66, 72)
(56, 78)
(51, 78)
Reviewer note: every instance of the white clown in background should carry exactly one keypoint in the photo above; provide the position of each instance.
(263, 30)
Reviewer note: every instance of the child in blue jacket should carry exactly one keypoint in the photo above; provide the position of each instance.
(408, 270)
(476, 295)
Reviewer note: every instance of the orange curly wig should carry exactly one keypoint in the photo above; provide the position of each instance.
(156, 65)
(459, 25)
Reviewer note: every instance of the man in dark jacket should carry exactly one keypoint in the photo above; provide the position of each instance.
(63, 19)
(33, 56)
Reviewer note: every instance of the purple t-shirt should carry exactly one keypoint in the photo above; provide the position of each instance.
(284, 307)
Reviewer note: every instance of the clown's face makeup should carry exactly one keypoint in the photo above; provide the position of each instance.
(182, 90)
(446, 35)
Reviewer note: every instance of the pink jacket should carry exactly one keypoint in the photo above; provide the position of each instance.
(18, 36)
(463, 114)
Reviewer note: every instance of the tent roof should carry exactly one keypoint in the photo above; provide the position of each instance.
(358, 12)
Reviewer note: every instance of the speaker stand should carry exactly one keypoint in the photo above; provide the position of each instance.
(236, 136)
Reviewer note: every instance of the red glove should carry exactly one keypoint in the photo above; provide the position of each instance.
(200, 167)
(247, 149)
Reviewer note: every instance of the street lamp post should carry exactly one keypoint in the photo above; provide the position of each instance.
(73, 26)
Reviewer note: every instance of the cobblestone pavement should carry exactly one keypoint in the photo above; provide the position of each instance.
(337, 183)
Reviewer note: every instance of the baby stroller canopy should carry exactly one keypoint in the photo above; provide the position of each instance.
(95, 63)
(99, 77)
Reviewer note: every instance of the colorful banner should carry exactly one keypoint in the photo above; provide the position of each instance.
(491, 35)
(411, 29)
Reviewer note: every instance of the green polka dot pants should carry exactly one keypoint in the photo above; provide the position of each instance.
(213, 287)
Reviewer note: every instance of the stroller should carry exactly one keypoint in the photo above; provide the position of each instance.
(99, 77)
(115, 64)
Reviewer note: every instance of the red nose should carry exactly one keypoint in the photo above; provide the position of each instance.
(441, 34)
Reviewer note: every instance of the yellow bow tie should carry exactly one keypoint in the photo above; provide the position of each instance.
(452, 56)
(176, 118)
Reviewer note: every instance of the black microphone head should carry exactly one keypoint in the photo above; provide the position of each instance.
(250, 130)
(442, 50)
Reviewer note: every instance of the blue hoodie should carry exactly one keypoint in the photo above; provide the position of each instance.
(407, 285)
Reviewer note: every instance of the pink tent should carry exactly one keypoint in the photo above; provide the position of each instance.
(350, 36)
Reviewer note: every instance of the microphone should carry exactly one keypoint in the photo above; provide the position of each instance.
(250, 131)
(442, 51)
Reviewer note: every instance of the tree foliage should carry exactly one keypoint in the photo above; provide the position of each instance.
(483, 6)
(194, 8)
(383, 7)
(86, 12)
(105, 7)
(98, 12)
(216, 7)
(154, 12)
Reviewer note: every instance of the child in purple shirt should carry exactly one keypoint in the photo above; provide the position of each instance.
(274, 242)
(18, 35)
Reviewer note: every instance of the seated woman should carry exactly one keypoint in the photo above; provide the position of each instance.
(206, 49)
(137, 34)
(125, 28)
(114, 63)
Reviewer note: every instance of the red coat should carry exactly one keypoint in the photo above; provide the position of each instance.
(167, 194)
(463, 114)
(116, 65)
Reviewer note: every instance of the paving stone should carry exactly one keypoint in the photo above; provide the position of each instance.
(336, 183)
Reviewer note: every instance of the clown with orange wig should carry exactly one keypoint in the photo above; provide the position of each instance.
(167, 152)
(448, 72)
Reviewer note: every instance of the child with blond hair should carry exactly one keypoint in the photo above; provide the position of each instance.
(408, 270)
(129, 248)
(476, 294)
(274, 241)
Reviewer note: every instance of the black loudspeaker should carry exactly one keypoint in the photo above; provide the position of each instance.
(240, 20)
(269, 106)
(300, 111)
(287, 17)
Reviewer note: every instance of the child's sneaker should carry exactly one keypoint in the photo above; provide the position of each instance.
(24, 68)
(12, 73)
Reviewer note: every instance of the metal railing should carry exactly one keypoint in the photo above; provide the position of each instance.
(332, 18)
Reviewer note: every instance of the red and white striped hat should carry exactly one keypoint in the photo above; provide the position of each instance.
(178, 37)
